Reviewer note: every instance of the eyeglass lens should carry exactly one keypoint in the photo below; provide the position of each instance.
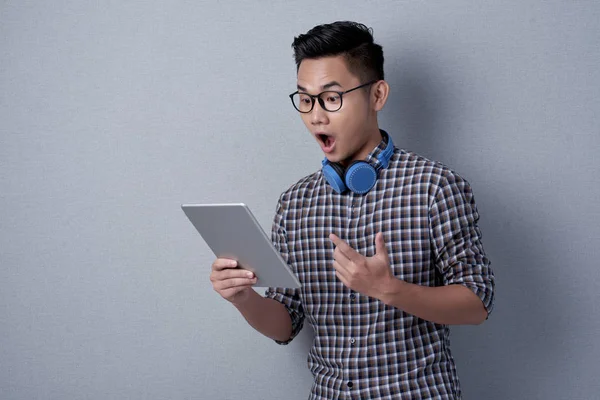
(330, 101)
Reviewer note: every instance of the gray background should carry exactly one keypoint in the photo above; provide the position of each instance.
(114, 113)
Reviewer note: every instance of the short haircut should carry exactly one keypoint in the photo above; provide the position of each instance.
(352, 40)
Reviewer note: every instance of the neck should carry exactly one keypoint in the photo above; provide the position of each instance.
(374, 138)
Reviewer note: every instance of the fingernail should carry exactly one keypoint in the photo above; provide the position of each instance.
(233, 263)
(250, 274)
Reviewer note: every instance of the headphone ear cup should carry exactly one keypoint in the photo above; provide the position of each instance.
(360, 177)
(334, 174)
(341, 171)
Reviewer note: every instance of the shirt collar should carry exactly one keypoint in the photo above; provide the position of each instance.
(372, 156)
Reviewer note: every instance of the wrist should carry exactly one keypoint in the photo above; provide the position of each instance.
(243, 298)
(391, 290)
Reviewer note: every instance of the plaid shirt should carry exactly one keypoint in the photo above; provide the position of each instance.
(363, 348)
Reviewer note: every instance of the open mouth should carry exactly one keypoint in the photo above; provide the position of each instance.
(327, 142)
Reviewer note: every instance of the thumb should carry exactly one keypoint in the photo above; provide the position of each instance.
(380, 248)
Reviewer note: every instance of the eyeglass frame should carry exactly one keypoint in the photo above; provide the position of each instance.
(320, 100)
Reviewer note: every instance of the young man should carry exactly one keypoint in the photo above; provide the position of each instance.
(385, 242)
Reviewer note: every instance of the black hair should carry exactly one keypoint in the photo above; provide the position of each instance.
(351, 39)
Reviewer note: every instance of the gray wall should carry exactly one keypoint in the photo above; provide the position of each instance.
(112, 115)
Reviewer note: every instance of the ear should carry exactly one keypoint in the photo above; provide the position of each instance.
(379, 94)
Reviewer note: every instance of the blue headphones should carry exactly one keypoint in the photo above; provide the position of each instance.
(360, 176)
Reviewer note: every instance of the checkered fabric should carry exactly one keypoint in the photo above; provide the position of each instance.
(363, 348)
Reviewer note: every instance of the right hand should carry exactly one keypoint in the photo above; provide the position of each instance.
(232, 283)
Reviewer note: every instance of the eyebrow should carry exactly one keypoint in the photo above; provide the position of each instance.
(324, 87)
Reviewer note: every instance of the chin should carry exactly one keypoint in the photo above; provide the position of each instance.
(333, 158)
(343, 161)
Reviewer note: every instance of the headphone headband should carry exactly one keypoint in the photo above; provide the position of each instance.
(384, 157)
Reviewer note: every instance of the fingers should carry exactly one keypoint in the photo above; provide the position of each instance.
(233, 283)
(231, 274)
(227, 279)
(340, 257)
(348, 251)
(224, 263)
(342, 274)
(342, 279)
(380, 244)
(339, 268)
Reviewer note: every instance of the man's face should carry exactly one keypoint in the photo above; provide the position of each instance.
(343, 135)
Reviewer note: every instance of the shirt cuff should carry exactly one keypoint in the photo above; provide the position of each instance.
(297, 317)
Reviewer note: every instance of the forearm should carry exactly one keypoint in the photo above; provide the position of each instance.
(267, 316)
(449, 305)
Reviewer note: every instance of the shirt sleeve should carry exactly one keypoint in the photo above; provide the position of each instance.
(456, 238)
(290, 298)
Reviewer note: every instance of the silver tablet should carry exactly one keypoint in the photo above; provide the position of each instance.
(231, 231)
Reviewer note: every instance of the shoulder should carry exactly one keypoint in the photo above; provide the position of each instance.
(412, 168)
(299, 190)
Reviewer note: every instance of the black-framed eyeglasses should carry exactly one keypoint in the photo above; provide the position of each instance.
(330, 100)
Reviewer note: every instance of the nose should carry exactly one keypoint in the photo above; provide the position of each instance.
(318, 116)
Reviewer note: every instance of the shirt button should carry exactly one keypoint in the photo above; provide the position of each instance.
(352, 341)
(352, 296)
(350, 384)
